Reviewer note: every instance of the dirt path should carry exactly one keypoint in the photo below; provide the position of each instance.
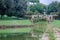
(56, 34)
(55, 31)
(45, 36)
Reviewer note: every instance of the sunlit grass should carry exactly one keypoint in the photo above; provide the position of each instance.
(15, 22)
(15, 30)
(56, 23)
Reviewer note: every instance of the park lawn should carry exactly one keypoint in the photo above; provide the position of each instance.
(15, 30)
(56, 23)
(15, 22)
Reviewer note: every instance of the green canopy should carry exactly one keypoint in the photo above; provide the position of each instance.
(34, 1)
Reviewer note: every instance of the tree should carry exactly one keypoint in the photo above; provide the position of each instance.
(34, 1)
(53, 7)
(2, 8)
(21, 7)
(58, 8)
(13, 7)
(38, 7)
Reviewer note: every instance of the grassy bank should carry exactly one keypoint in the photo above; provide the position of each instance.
(15, 30)
(56, 23)
(15, 22)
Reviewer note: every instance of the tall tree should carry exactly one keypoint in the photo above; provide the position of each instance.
(58, 8)
(21, 7)
(38, 7)
(53, 7)
(34, 1)
(2, 8)
(13, 7)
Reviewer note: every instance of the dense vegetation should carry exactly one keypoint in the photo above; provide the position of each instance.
(38, 7)
(13, 7)
(34, 1)
(53, 8)
(19, 8)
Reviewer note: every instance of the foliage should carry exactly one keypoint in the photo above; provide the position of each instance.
(34, 1)
(37, 7)
(58, 7)
(53, 7)
(39, 28)
(13, 7)
(36, 19)
(32, 13)
(56, 23)
(29, 13)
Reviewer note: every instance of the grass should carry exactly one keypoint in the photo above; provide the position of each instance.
(15, 30)
(15, 22)
(56, 23)
(51, 34)
(10, 18)
(40, 27)
(15, 34)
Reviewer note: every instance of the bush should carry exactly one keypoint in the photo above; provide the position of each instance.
(36, 19)
(29, 13)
